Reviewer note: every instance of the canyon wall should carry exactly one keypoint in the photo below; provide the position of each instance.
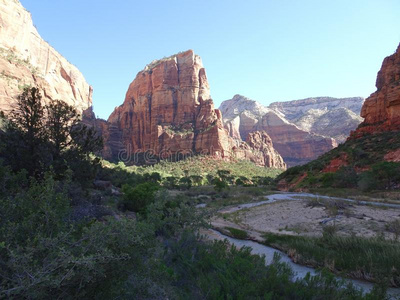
(300, 130)
(168, 113)
(26, 59)
(381, 110)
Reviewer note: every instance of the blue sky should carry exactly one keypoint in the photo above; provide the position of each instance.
(266, 50)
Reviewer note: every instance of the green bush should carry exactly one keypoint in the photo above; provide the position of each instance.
(387, 174)
(139, 197)
(237, 233)
(185, 183)
(220, 184)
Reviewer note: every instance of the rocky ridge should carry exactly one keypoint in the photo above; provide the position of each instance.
(301, 130)
(26, 59)
(168, 113)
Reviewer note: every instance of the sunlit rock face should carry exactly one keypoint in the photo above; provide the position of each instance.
(326, 116)
(381, 110)
(168, 110)
(26, 59)
(259, 149)
(301, 130)
(168, 113)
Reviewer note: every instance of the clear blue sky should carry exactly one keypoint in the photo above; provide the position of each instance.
(271, 50)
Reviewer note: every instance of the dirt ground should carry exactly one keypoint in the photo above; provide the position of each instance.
(299, 218)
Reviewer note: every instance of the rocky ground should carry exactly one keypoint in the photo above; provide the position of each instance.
(307, 217)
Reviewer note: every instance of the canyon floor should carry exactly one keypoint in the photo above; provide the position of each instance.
(309, 216)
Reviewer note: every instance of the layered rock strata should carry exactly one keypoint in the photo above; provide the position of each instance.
(26, 59)
(381, 110)
(168, 113)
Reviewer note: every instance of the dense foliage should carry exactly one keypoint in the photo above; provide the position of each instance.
(195, 171)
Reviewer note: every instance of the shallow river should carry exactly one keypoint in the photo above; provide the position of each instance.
(299, 270)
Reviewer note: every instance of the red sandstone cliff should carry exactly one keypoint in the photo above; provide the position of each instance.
(382, 109)
(168, 112)
(26, 59)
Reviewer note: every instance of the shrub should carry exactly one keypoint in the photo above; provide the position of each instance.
(139, 197)
(386, 173)
(219, 184)
(185, 182)
(237, 233)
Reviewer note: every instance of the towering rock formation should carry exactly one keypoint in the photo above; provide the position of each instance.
(168, 112)
(297, 145)
(336, 123)
(26, 59)
(381, 110)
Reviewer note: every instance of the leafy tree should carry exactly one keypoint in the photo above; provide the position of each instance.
(196, 179)
(171, 181)
(153, 177)
(242, 181)
(223, 174)
(24, 140)
(39, 137)
(386, 173)
(139, 197)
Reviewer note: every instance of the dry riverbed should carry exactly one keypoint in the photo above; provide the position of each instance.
(308, 217)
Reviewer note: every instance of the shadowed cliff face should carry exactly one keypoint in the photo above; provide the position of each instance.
(168, 112)
(26, 59)
(381, 110)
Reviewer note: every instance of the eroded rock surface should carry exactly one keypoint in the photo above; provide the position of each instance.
(381, 110)
(300, 130)
(168, 113)
(26, 59)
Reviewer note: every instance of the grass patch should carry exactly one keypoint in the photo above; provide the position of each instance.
(373, 259)
(237, 233)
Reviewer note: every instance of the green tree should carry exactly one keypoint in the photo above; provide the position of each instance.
(196, 179)
(386, 173)
(24, 140)
(139, 197)
(40, 136)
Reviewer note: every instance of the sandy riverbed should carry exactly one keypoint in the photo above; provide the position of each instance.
(298, 217)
